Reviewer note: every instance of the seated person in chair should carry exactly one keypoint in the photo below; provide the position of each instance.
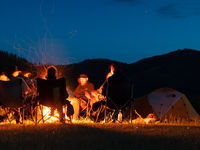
(52, 92)
(84, 88)
(81, 94)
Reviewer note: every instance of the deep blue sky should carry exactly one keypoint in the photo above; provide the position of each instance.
(67, 31)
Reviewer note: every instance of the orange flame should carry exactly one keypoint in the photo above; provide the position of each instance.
(28, 74)
(47, 114)
(111, 73)
(16, 73)
(112, 70)
(3, 77)
(46, 111)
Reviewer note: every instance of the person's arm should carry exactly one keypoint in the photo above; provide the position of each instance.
(90, 87)
(77, 91)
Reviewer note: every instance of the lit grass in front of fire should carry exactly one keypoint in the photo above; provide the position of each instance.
(98, 136)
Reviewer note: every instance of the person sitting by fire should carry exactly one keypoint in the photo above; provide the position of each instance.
(82, 94)
(52, 76)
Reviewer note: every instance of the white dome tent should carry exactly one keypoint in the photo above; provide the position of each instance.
(166, 104)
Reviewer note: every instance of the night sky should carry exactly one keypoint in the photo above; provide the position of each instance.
(68, 31)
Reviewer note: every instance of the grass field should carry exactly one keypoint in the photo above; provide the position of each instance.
(98, 136)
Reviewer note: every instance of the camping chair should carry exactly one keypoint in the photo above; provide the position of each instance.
(51, 93)
(13, 96)
(94, 108)
(119, 96)
(97, 112)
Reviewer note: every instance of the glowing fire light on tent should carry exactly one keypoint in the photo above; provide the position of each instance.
(16, 73)
(3, 77)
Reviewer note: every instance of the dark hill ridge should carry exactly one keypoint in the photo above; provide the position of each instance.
(8, 63)
(177, 69)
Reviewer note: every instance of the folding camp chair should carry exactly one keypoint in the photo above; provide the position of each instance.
(13, 96)
(97, 112)
(51, 93)
(119, 95)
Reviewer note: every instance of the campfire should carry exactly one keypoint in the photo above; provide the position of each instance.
(46, 113)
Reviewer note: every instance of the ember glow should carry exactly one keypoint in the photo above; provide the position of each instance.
(43, 116)
(3, 77)
(48, 117)
(46, 112)
(16, 73)
(28, 74)
(112, 70)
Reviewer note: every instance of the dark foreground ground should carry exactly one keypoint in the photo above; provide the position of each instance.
(98, 136)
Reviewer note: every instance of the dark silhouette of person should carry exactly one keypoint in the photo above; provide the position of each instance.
(70, 110)
(51, 75)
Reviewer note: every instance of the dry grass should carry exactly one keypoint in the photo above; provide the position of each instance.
(99, 136)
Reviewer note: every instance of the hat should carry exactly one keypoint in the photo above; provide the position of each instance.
(83, 76)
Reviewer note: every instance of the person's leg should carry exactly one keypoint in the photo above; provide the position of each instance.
(70, 110)
(17, 116)
(61, 114)
(76, 106)
(52, 111)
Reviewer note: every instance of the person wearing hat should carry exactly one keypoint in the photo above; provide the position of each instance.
(82, 92)
(84, 87)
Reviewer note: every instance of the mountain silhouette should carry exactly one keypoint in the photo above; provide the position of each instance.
(9, 62)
